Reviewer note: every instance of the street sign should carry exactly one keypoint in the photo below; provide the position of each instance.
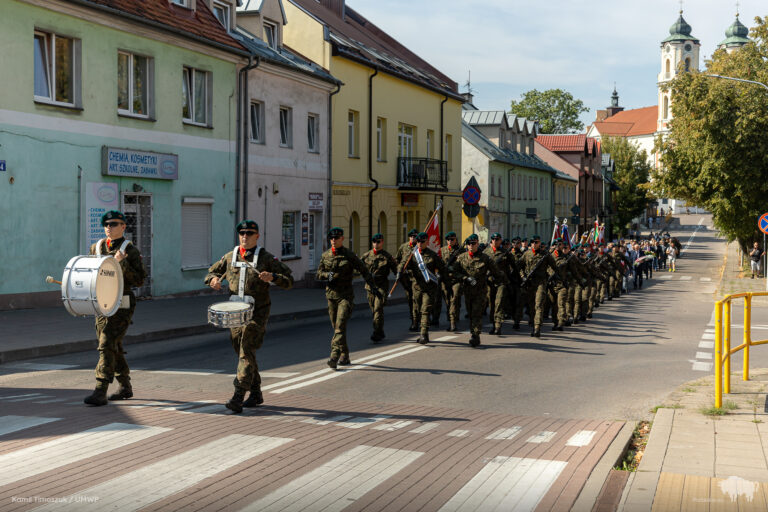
(575, 220)
(576, 209)
(2, 165)
(763, 223)
(471, 210)
(471, 193)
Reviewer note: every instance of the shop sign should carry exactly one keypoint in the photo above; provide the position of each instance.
(139, 164)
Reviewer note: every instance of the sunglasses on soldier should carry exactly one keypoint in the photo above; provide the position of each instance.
(113, 224)
(246, 232)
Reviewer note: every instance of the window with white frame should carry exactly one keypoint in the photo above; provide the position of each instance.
(196, 229)
(313, 133)
(183, 3)
(353, 130)
(257, 122)
(381, 139)
(449, 151)
(134, 84)
(430, 143)
(221, 11)
(56, 64)
(270, 35)
(290, 235)
(196, 96)
(286, 127)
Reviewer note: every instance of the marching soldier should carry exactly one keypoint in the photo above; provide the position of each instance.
(337, 267)
(402, 254)
(497, 289)
(262, 269)
(450, 286)
(111, 330)
(521, 296)
(580, 291)
(558, 290)
(422, 267)
(474, 268)
(536, 261)
(380, 263)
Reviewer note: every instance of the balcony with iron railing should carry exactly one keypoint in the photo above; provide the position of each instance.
(422, 173)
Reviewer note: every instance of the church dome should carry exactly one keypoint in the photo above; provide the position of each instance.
(736, 35)
(680, 31)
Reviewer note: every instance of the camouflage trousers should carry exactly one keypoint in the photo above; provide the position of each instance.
(423, 301)
(246, 340)
(377, 307)
(407, 283)
(110, 332)
(452, 296)
(578, 301)
(537, 297)
(522, 302)
(339, 310)
(496, 296)
(474, 298)
(558, 297)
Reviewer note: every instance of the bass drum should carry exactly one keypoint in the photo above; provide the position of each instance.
(92, 285)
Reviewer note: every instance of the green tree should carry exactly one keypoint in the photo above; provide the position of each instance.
(556, 110)
(632, 174)
(716, 153)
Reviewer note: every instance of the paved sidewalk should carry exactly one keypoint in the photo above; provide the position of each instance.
(29, 333)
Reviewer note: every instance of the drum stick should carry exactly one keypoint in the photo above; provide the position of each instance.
(50, 279)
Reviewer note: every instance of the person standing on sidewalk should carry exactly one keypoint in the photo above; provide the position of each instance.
(337, 267)
(756, 255)
(111, 330)
(402, 254)
(380, 263)
(261, 270)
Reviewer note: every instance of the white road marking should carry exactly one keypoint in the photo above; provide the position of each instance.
(150, 484)
(542, 437)
(708, 336)
(705, 279)
(665, 276)
(277, 375)
(328, 370)
(314, 421)
(72, 448)
(362, 421)
(182, 371)
(38, 367)
(138, 406)
(506, 484)
(20, 396)
(10, 424)
(339, 482)
(505, 433)
(28, 398)
(446, 338)
(707, 344)
(391, 427)
(51, 401)
(581, 438)
(426, 427)
(701, 366)
(704, 355)
(186, 405)
(458, 433)
(348, 369)
(685, 278)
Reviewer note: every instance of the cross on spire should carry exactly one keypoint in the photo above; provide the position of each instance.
(737, 8)
(681, 6)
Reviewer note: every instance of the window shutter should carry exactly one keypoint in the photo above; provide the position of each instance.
(195, 235)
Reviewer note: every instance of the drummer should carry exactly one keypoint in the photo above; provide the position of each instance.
(110, 330)
(248, 338)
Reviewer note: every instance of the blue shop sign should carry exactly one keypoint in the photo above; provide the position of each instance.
(2, 165)
(139, 164)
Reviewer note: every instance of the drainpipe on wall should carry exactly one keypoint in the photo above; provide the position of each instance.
(79, 209)
(370, 154)
(442, 157)
(244, 131)
(329, 199)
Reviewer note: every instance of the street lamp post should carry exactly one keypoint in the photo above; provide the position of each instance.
(761, 84)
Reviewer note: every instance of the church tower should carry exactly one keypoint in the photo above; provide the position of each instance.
(679, 54)
(735, 37)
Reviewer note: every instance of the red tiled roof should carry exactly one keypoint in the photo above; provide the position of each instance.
(199, 22)
(576, 142)
(628, 123)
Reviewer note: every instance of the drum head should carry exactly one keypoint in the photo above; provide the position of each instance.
(230, 306)
(109, 286)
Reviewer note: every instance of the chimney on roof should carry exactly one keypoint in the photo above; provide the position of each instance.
(468, 97)
(336, 6)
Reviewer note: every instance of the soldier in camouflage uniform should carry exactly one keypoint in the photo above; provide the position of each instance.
(450, 286)
(536, 281)
(380, 263)
(591, 288)
(111, 330)
(580, 290)
(474, 268)
(497, 289)
(402, 254)
(425, 288)
(605, 270)
(521, 296)
(559, 283)
(262, 270)
(337, 267)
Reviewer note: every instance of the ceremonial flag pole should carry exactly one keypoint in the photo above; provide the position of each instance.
(439, 205)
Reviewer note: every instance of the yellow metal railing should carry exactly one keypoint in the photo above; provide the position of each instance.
(723, 350)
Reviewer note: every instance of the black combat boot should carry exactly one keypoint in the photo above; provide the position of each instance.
(493, 330)
(235, 404)
(589, 315)
(497, 330)
(124, 391)
(516, 326)
(414, 326)
(583, 318)
(344, 360)
(255, 398)
(537, 333)
(424, 338)
(452, 327)
(557, 328)
(99, 395)
(474, 340)
(333, 362)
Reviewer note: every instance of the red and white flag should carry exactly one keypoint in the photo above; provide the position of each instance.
(433, 234)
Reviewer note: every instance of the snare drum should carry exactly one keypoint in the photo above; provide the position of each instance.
(92, 285)
(230, 314)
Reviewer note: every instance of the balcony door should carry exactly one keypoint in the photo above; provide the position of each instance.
(405, 151)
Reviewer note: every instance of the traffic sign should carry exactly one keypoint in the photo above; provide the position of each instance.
(576, 209)
(471, 210)
(763, 223)
(471, 193)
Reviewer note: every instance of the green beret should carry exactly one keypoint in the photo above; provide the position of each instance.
(377, 237)
(112, 215)
(422, 237)
(558, 240)
(472, 238)
(247, 224)
(516, 239)
(413, 232)
(576, 246)
(495, 236)
(450, 234)
(335, 232)
(505, 241)
(535, 237)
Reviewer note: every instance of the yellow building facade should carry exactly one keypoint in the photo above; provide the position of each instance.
(395, 132)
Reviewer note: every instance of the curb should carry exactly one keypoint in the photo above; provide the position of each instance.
(591, 491)
(162, 334)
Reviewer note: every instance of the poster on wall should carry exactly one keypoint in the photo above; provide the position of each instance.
(99, 199)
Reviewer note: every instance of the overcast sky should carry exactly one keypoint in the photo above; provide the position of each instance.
(582, 46)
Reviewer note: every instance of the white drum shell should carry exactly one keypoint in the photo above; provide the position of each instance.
(92, 286)
(230, 314)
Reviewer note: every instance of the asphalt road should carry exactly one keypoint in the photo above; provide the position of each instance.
(619, 365)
